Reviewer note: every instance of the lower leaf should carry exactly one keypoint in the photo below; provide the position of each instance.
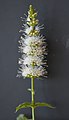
(23, 105)
(22, 117)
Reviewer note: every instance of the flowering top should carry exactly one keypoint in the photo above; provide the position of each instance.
(33, 48)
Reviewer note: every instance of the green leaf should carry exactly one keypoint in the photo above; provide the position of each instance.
(43, 104)
(23, 105)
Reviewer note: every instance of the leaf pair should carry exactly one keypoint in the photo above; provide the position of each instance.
(30, 105)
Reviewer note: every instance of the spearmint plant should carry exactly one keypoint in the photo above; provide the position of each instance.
(33, 48)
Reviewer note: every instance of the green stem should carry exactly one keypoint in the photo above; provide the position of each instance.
(32, 95)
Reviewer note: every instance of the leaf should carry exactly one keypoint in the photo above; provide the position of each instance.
(38, 104)
(43, 104)
(23, 105)
(22, 117)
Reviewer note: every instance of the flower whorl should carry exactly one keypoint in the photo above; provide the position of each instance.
(33, 48)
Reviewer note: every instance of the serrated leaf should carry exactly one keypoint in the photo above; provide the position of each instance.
(43, 104)
(23, 105)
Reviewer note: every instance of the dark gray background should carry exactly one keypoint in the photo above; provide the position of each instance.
(54, 14)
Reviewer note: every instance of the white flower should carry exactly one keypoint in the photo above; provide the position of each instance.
(29, 40)
(26, 71)
(28, 19)
(33, 51)
(28, 30)
(39, 27)
(33, 59)
(27, 49)
(33, 39)
(36, 71)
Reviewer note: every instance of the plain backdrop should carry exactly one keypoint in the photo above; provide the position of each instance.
(54, 14)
